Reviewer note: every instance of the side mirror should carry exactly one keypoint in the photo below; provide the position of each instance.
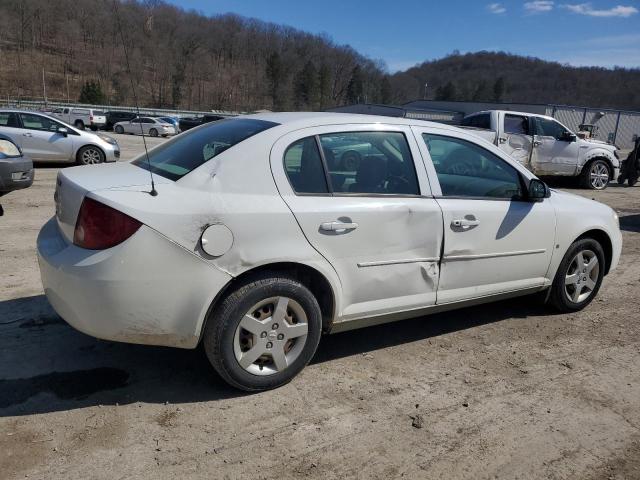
(569, 137)
(538, 190)
(63, 131)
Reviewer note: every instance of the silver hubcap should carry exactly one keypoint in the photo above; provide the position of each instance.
(582, 276)
(271, 336)
(599, 176)
(91, 156)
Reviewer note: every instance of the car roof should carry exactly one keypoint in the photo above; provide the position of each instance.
(311, 119)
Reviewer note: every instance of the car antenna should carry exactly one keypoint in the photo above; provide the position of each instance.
(153, 191)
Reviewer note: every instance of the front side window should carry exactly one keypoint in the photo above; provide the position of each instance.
(186, 152)
(147, 120)
(515, 124)
(36, 122)
(550, 128)
(465, 169)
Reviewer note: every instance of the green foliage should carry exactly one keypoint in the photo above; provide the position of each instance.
(91, 93)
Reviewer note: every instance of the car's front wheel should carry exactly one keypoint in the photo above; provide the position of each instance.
(153, 132)
(119, 129)
(90, 155)
(596, 175)
(263, 333)
(579, 276)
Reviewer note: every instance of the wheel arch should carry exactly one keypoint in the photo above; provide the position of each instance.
(310, 277)
(600, 156)
(604, 240)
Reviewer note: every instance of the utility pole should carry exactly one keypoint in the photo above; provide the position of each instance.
(425, 90)
(44, 88)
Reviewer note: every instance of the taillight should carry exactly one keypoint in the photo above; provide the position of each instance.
(99, 227)
(91, 118)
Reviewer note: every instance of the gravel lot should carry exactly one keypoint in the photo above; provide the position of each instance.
(507, 390)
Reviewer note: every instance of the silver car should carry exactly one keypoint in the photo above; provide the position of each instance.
(45, 139)
(145, 126)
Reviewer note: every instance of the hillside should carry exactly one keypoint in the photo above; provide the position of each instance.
(178, 59)
(488, 76)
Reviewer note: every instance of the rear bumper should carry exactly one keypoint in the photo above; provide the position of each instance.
(15, 174)
(146, 290)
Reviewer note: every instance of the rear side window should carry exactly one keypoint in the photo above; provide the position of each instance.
(365, 163)
(482, 120)
(9, 119)
(186, 152)
(516, 124)
(303, 165)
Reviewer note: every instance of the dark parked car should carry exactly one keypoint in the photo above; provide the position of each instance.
(16, 170)
(115, 116)
(189, 122)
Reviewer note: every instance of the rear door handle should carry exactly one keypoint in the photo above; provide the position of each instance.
(27, 135)
(537, 143)
(502, 139)
(463, 222)
(333, 226)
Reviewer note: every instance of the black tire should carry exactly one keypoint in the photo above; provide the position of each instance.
(559, 296)
(119, 129)
(153, 132)
(93, 128)
(90, 155)
(220, 331)
(597, 166)
(79, 124)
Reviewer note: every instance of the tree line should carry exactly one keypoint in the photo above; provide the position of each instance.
(503, 77)
(177, 58)
(185, 60)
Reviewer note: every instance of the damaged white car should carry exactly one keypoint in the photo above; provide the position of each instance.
(255, 240)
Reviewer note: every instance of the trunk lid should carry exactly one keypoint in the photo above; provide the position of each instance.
(72, 184)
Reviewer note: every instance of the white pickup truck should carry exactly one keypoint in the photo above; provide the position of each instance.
(81, 117)
(546, 147)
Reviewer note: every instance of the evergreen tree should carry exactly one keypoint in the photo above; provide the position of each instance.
(306, 88)
(91, 93)
(355, 89)
(446, 92)
(498, 89)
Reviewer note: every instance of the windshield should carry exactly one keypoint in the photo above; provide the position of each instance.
(186, 152)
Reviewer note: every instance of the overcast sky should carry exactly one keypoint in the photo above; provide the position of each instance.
(405, 32)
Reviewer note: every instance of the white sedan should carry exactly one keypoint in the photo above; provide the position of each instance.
(145, 126)
(253, 240)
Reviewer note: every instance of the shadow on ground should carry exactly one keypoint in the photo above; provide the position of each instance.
(46, 366)
(630, 223)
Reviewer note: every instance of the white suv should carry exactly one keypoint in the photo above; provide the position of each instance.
(253, 239)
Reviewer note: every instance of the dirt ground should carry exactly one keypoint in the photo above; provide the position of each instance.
(507, 390)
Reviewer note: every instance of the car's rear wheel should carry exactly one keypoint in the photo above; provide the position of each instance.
(263, 333)
(153, 132)
(579, 276)
(90, 155)
(596, 175)
(119, 129)
(79, 124)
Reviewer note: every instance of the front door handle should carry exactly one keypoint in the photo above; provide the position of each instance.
(333, 226)
(27, 135)
(502, 139)
(464, 222)
(537, 143)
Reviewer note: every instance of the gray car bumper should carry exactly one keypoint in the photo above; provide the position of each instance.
(15, 173)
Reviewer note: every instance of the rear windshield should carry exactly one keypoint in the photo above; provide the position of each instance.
(98, 112)
(186, 152)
